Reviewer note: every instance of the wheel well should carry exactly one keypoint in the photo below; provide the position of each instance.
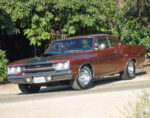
(90, 67)
(134, 60)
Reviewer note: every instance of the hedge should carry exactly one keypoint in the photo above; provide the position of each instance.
(3, 65)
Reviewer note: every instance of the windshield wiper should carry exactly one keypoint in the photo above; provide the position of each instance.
(73, 50)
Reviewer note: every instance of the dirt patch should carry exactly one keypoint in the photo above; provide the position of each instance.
(8, 88)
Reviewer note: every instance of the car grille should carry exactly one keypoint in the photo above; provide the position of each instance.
(38, 68)
(42, 72)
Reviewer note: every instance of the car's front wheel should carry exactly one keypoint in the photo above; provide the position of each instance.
(27, 88)
(84, 79)
(129, 71)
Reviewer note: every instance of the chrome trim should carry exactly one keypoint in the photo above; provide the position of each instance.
(38, 69)
(40, 74)
(29, 79)
(36, 63)
(128, 61)
(93, 74)
(85, 76)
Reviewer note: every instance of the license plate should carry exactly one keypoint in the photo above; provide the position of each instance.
(39, 79)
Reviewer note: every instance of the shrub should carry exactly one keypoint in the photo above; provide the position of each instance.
(141, 109)
(3, 65)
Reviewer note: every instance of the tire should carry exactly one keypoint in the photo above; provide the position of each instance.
(129, 72)
(27, 88)
(84, 79)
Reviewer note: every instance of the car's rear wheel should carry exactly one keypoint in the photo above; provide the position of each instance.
(129, 71)
(28, 88)
(84, 79)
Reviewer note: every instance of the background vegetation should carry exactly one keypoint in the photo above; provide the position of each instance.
(24, 23)
(141, 109)
(3, 62)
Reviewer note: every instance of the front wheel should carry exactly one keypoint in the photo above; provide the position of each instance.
(27, 88)
(129, 71)
(84, 79)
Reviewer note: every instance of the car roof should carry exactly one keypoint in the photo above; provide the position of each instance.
(86, 36)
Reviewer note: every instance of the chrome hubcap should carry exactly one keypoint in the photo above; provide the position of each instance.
(84, 77)
(131, 69)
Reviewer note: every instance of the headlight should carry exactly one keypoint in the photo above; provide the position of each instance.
(61, 66)
(13, 70)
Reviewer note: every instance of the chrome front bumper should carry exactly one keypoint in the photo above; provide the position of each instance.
(48, 77)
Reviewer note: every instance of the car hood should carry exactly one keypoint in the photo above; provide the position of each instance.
(55, 57)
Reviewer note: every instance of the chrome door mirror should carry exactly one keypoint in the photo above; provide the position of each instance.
(102, 46)
(96, 46)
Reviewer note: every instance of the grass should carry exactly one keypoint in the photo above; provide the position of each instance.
(141, 109)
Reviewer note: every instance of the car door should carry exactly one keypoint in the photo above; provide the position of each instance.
(108, 55)
(116, 49)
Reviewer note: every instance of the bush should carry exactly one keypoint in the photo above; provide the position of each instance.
(3, 65)
(141, 109)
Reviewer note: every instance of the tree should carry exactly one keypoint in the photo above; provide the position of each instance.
(85, 16)
(51, 20)
(41, 19)
(134, 23)
(31, 16)
(3, 63)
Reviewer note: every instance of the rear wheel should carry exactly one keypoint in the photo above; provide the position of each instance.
(84, 79)
(27, 88)
(129, 71)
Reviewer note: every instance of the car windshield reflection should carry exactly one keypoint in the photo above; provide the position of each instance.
(71, 45)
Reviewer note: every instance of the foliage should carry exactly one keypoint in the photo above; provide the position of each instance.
(141, 109)
(3, 64)
(40, 25)
(31, 16)
(54, 19)
(134, 23)
(6, 26)
(85, 16)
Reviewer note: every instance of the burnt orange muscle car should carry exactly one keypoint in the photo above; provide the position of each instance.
(77, 61)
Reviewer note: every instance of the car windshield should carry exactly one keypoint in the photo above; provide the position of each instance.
(71, 45)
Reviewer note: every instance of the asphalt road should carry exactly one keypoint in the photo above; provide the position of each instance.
(106, 84)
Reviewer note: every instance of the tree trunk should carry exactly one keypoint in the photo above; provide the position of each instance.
(56, 31)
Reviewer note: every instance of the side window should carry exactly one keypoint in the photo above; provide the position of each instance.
(103, 40)
(113, 42)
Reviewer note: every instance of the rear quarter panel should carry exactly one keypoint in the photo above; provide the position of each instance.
(134, 52)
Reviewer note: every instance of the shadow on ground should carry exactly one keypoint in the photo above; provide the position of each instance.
(97, 82)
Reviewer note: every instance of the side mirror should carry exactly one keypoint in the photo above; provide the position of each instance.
(102, 46)
(96, 46)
